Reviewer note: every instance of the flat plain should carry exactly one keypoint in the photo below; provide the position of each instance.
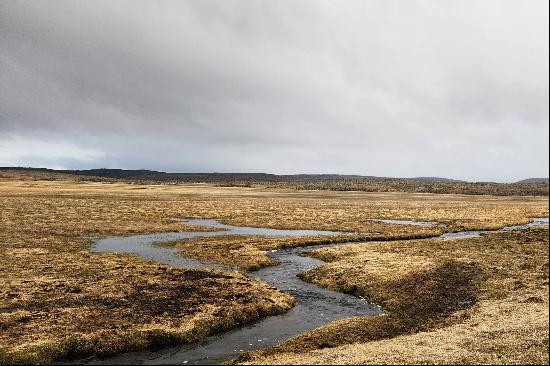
(459, 301)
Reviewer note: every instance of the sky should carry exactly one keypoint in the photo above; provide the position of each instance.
(451, 88)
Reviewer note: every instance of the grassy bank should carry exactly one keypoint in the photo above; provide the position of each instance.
(161, 306)
(476, 300)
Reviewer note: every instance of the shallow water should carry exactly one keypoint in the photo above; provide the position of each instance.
(535, 221)
(141, 245)
(314, 306)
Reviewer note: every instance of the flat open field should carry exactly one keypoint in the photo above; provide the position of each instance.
(57, 299)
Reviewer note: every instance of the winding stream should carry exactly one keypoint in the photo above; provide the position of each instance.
(314, 306)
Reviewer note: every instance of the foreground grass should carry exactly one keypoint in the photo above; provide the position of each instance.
(72, 317)
(57, 300)
(482, 300)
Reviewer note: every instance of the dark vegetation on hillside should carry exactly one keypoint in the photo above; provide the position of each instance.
(335, 182)
(534, 180)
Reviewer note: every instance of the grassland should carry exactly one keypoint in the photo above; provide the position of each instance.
(323, 182)
(57, 299)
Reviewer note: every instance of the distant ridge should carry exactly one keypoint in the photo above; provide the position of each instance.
(534, 180)
(438, 180)
(145, 174)
(333, 182)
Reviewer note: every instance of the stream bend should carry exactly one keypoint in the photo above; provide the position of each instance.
(314, 307)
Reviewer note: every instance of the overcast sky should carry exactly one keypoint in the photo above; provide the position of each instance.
(455, 89)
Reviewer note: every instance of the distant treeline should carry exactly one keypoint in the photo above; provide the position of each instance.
(418, 186)
(335, 182)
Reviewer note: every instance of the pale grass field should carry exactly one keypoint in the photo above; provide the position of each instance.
(58, 299)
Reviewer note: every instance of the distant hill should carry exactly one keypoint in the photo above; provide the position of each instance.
(438, 180)
(332, 182)
(535, 180)
(152, 175)
(144, 174)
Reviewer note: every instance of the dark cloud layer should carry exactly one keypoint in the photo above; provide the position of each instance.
(391, 88)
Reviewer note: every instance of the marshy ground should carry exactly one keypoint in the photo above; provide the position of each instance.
(472, 300)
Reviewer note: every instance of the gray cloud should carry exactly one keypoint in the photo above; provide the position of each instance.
(391, 88)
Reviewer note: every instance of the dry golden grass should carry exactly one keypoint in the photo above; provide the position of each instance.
(351, 212)
(137, 206)
(422, 286)
(495, 332)
(58, 299)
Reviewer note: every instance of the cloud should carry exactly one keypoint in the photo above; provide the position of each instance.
(392, 88)
(53, 154)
